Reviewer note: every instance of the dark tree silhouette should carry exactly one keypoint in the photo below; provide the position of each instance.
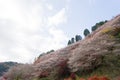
(72, 40)
(97, 25)
(69, 42)
(86, 32)
(78, 37)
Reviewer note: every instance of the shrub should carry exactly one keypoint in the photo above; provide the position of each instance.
(43, 74)
(98, 78)
(50, 51)
(63, 69)
(104, 78)
(116, 32)
(73, 76)
(81, 79)
(106, 30)
(118, 36)
(68, 79)
(60, 72)
(89, 78)
(113, 32)
(93, 78)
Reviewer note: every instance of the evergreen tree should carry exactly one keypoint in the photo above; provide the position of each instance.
(69, 42)
(72, 40)
(78, 37)
(97, 25)
(94, 28)
(86, 32)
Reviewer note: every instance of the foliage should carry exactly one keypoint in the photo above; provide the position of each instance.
(78, 37)
(73, 76)
(50, 51)
(42, 54)
(63, 69)
(118, 36)
(86, 32)
(98, 78)
(69, 42)
(45, 78)
(97, 25)
(106, 30)
(116, 32)
(72, 40)
(5, 66)
(113, 32)
(21, 72)
(89, 78)
(43, 74)
(110, 66)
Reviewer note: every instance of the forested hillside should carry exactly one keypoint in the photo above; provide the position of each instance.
(4, 66)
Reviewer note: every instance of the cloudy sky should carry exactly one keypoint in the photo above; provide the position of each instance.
(30, 27)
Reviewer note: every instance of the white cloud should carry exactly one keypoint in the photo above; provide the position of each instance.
(24, 32)
(49, 6)
(58, 18)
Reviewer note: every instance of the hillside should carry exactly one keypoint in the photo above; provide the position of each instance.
(4, 66)
(97, 54)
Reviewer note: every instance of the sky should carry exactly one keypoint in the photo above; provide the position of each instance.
(31, 27)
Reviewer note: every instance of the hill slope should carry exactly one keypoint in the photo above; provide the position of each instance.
(97, 54)
(4, 66)
(89, 53)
